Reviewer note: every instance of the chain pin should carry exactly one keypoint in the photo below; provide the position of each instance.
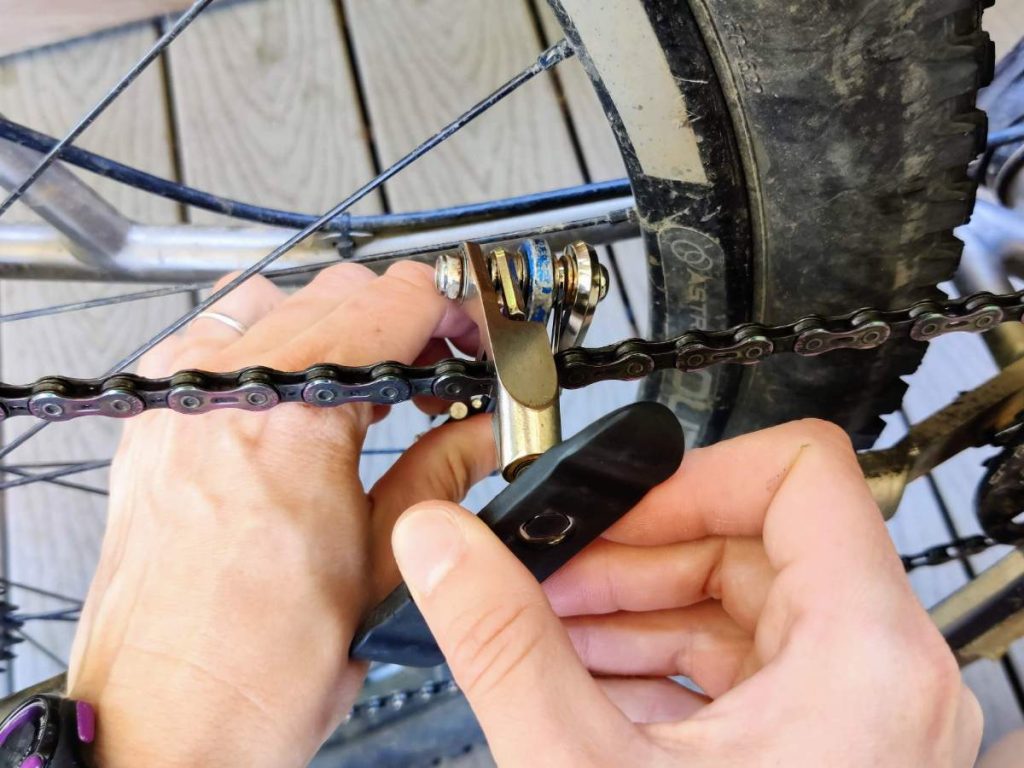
(53, 410)
(257, 399)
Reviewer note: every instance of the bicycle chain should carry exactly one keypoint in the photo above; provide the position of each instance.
(397, 700)
(58, 398)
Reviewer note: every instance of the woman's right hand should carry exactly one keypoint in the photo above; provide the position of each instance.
(762, 570)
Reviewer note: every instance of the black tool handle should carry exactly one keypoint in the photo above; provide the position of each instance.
(555, 508)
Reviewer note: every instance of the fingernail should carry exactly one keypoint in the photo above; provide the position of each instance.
(427, 544)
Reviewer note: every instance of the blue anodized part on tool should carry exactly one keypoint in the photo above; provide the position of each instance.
(541, 274)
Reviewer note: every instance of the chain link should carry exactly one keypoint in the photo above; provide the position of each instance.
(957, 549)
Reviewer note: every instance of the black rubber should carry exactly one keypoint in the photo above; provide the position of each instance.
(861, 141)
(836, 134)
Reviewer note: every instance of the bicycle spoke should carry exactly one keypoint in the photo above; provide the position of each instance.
(106, 301)
(552, 56)
(80, 127)
(39, 591)
(61, 483)
(65, 614)
(41, 648)
(85, 466)
(548, 59)
(63, 469)
(39, 465)
(170, 290)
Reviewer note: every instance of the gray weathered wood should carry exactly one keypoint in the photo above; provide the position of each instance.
(41, 22)
(603, 161)
(267, 109)
(1005, 23)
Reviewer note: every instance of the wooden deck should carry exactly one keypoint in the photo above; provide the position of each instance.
(293, 103)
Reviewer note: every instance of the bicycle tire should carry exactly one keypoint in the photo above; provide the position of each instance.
(833, 141)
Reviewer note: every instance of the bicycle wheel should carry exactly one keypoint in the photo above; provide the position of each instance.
(790, 159)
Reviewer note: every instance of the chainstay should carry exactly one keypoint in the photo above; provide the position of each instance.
(58, 398)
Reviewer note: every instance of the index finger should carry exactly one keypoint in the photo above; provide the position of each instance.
(798, 486)
(388, 318)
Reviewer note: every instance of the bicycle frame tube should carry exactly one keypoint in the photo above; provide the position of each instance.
(191, 253)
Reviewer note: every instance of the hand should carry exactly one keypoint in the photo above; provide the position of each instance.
(761, 570)
(241, 549)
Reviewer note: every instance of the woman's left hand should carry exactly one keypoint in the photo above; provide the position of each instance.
(241, 549)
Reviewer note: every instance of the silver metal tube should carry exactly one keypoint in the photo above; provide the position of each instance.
(191, 253)
(522, 433)
(94, 230)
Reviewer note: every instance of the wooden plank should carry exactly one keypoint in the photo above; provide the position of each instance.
(597, 142)
(919, 522)
(266, 107)
(412, 89)
(1005, 23)
(41, 22)
(54, 533)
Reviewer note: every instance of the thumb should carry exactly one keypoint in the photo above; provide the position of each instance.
(506, 648)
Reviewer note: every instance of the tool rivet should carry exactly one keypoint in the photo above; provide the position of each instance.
(548, 529)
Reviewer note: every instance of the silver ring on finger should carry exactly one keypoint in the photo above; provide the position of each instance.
(230, 322)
